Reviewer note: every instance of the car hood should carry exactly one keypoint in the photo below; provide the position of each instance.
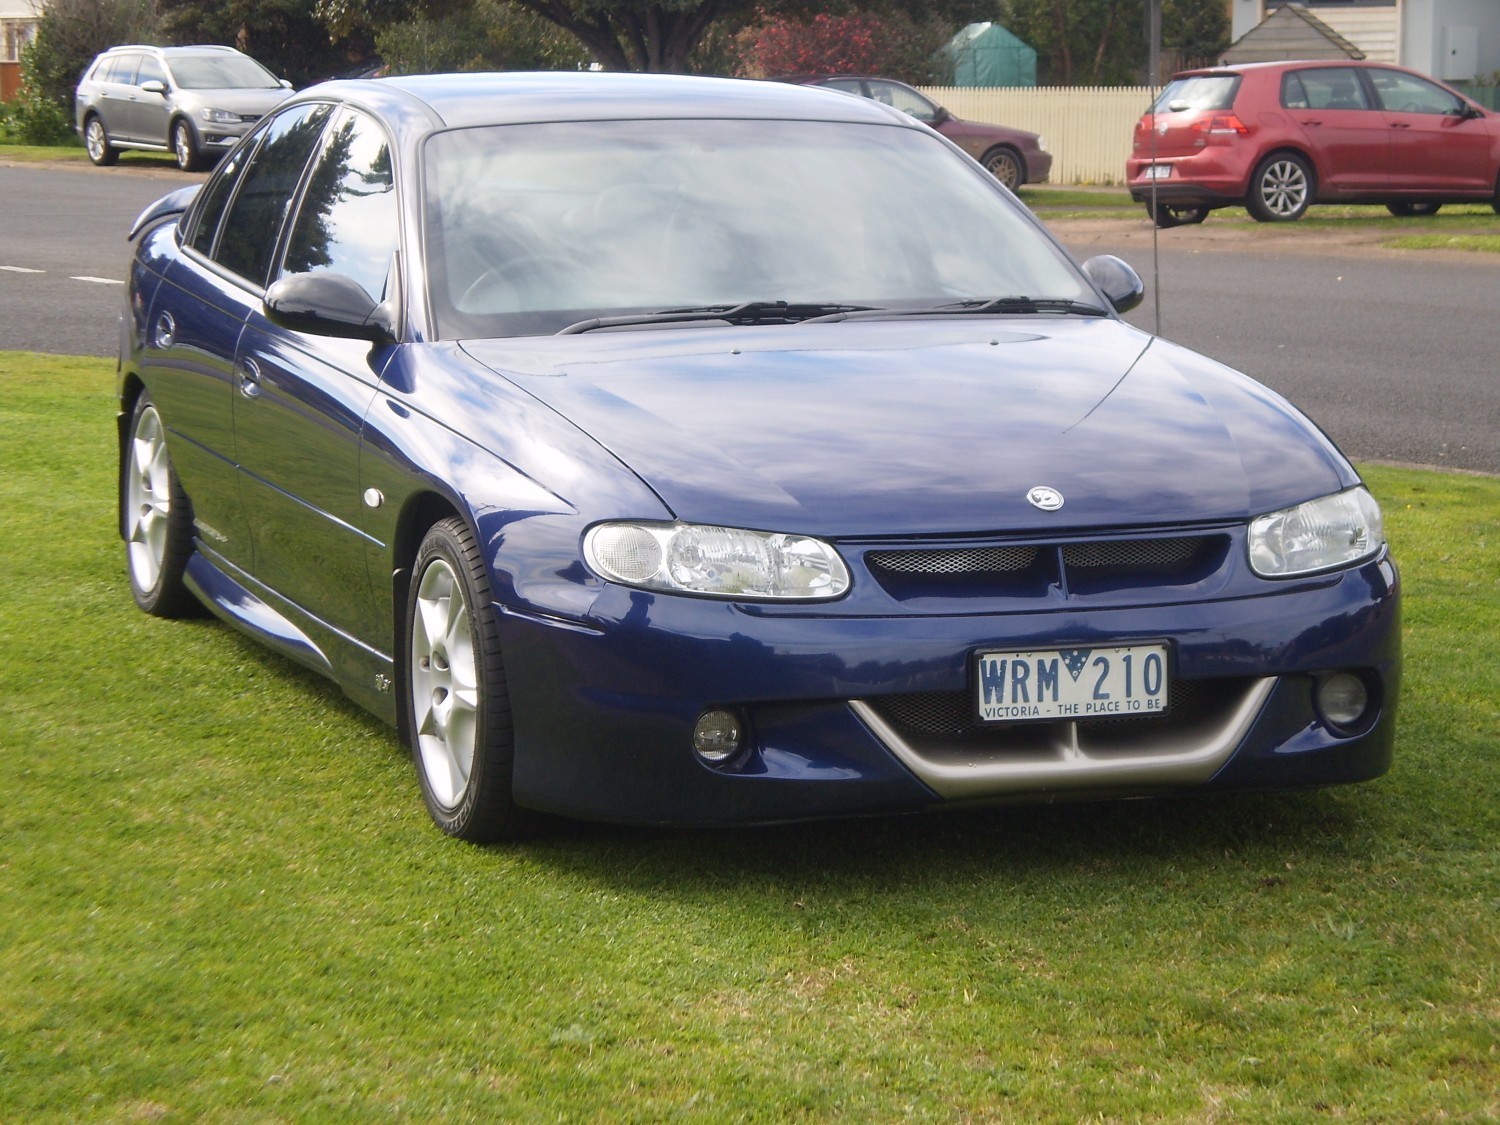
(928, 427)
(237, 100)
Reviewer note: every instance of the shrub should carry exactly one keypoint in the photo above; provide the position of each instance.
(894, 45)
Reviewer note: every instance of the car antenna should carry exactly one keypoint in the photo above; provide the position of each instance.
(1153, 35)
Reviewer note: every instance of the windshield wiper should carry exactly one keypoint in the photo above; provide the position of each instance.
(1002, 305)
(747, 312)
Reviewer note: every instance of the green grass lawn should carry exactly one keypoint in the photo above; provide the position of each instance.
(221, 898)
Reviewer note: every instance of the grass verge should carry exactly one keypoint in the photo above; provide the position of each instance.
(223, 901)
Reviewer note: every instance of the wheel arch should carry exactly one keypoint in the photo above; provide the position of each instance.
(1290, 150)
(131, 389)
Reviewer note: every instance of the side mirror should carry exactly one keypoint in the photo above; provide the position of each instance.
(286, 84)
(329, 304)
(154, 86)
(1116, 280)
(939, 116)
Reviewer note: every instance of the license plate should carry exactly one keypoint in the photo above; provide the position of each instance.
(1158, 171)
(1071, 683)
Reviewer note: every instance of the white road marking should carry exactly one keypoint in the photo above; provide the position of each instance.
(20, 269)
(99, 280)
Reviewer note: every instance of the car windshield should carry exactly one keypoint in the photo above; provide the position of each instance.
(221, 72)
(1203, 92)
(531, 228)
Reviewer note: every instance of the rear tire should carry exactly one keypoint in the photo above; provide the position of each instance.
(96, 142)
(457, 706)
(1281, 189)
(1407, 210)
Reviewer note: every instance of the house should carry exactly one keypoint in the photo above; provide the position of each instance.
(18, 20)
(1453, 40)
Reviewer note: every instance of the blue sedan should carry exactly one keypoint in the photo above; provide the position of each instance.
(666, 449)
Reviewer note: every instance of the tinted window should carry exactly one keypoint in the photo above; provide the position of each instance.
(203, 224)
(1406, 93)
(1335, 87)
(247, 239)
(347, 221)
(1201, 92)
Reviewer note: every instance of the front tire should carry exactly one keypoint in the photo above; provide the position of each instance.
(1281, 190)
(1005, 166)
(457, 706)
(185, 146)
(156, 519)
(96, 142)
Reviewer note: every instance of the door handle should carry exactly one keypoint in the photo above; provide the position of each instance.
(1400, 125)
(249, 379)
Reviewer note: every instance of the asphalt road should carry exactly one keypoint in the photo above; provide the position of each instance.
(1396, 355)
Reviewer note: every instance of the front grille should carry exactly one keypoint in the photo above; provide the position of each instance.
(963, 560)
(948, 720)
(1031, 570)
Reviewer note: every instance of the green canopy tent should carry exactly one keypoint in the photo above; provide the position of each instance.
(985, 54)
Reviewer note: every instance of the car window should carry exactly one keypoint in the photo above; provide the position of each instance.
(905, 99)
(247, 239)
(1334, 87)
(150, 70)
(221, 72)
(122, 69)
(1198, 92)
(1406, 93)
(347, 221)
(533, 227)
(847, 85)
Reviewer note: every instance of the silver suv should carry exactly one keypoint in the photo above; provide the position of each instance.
(191, 101)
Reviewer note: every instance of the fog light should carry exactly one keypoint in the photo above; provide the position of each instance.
(1343, 699)
(716, 736)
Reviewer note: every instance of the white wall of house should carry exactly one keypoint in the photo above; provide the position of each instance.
(1455, 40)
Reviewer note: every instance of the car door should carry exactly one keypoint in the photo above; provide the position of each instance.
(186, 354)
(1436, 145)
(1346, 133)
(117, 94)
(149, 109)
(305, 396)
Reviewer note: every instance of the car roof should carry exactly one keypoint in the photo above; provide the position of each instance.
(462, 100)
(201, 49)
(1286, 64)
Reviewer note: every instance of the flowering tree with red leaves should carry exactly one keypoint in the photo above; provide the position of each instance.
(861, 43)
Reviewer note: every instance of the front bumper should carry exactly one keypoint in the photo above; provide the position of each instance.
(604, 710)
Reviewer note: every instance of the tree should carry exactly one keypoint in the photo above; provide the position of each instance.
(288, 36)
(893, 44)
(1103, 42)
(71, 32)
(490, 35)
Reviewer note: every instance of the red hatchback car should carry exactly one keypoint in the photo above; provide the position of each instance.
(1277, 137)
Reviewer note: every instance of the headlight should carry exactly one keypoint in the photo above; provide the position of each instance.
(219, 116)
(1322, 534)
(722, 562)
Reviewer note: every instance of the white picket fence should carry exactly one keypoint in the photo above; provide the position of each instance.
(1087, 129)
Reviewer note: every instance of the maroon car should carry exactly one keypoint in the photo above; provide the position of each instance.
(1278, 137)
(1014, 156)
